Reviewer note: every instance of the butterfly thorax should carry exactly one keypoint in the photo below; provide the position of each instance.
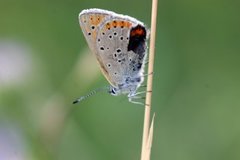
(129, 87)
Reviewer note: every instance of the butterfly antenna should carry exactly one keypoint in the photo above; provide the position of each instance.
(91, 93)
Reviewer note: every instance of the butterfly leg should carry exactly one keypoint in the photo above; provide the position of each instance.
(143, 86)
(135, 96)
(146, 62)
(138, 93)
(136, 102)
(130, 99)
(147, 74)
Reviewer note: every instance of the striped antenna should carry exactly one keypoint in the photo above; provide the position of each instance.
(90, 94)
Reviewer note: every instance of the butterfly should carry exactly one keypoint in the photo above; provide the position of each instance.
(119, 43)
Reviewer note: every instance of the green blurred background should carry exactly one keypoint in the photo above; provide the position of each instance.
(45, 64)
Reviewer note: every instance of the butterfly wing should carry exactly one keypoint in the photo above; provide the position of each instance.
(90, 20)
(114, 39)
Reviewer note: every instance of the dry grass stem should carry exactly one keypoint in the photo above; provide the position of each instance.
(145, 154)
(149, 141)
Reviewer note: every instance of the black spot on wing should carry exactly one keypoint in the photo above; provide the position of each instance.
(137, 41)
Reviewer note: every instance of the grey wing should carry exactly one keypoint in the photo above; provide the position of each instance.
(113, 48)
(90, 20)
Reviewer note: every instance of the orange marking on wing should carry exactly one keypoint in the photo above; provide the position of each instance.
(93, 21)
(138, 31)
(108, 26)
(115, 24)
(123, 24)
(128, 24)
(96, 19)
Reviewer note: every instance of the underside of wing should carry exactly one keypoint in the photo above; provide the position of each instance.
(120, 53)
(90, 20)
(118, 42)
